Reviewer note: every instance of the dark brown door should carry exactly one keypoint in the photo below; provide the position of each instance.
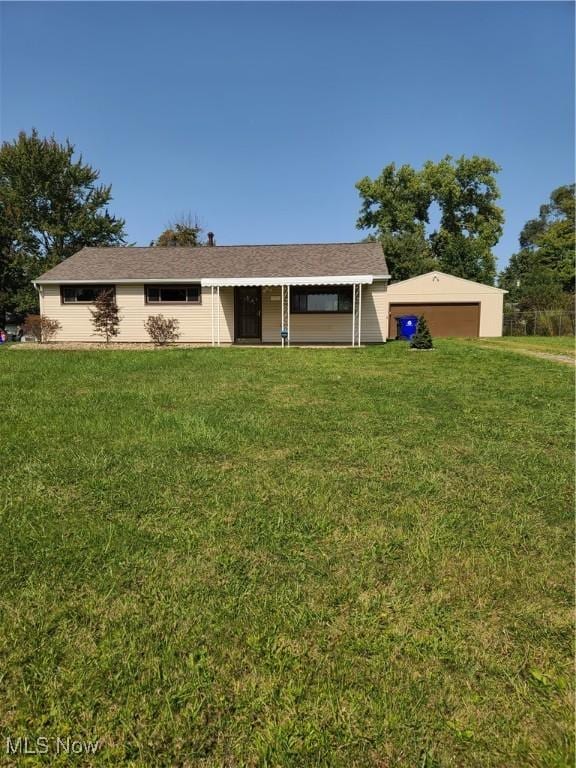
(442, 319)
(248, 314)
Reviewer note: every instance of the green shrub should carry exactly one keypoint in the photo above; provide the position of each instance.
(42, 328)
(162, 330)
(422, 339)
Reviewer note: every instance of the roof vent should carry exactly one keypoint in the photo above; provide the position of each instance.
(210, 238)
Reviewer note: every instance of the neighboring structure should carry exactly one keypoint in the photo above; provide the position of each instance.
(315, 294)
(452, 306)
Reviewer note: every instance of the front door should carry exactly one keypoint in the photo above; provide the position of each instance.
(248, 314)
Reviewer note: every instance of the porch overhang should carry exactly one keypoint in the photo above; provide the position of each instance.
(240, 282)
(285, 283)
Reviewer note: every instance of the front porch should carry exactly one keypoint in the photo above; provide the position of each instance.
(289, 311)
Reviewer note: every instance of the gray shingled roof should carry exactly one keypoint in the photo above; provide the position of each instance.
(220, 261)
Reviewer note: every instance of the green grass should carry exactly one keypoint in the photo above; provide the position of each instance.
(288, 557)
(556, 345)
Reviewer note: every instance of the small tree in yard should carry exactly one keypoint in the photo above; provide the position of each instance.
(422, 339)
(41, 327)
(105, 317)
(162, 330)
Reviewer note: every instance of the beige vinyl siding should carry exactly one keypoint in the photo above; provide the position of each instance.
(321, 329)
(327, 328)
(374, 312)
(271, 314)
(74, 318)
(195, 319)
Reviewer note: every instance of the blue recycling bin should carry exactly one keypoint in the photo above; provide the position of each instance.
(406, 327)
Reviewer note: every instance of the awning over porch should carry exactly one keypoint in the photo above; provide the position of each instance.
(356, 282)
(232, 282)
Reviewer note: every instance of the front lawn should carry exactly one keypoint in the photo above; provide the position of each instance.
(245, 557)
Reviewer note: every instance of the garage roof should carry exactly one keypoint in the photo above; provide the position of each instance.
(444, 278)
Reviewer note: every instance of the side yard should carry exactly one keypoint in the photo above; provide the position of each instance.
(555, 345)
(289, 558)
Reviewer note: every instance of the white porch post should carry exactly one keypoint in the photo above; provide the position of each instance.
(282, 311)
(353, 314)
(212, 311)
(218, 307)
(359, 313)
(285, 324)
(356, 314)
(288, 312)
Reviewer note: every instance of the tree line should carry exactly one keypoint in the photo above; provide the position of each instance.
(443, 216)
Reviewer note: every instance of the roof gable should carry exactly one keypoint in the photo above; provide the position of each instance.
(443, 282)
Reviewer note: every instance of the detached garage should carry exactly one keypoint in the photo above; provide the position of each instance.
(451, 305)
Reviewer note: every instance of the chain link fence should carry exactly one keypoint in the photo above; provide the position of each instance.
(549, 322)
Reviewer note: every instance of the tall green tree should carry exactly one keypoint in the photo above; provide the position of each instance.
(184, 231)
(396, 206)
(471, 222)
(541, 275)
(50, 206)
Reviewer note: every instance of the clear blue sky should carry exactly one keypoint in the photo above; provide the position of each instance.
(261, 117)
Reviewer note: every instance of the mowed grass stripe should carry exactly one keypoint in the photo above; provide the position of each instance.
(554, 345)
